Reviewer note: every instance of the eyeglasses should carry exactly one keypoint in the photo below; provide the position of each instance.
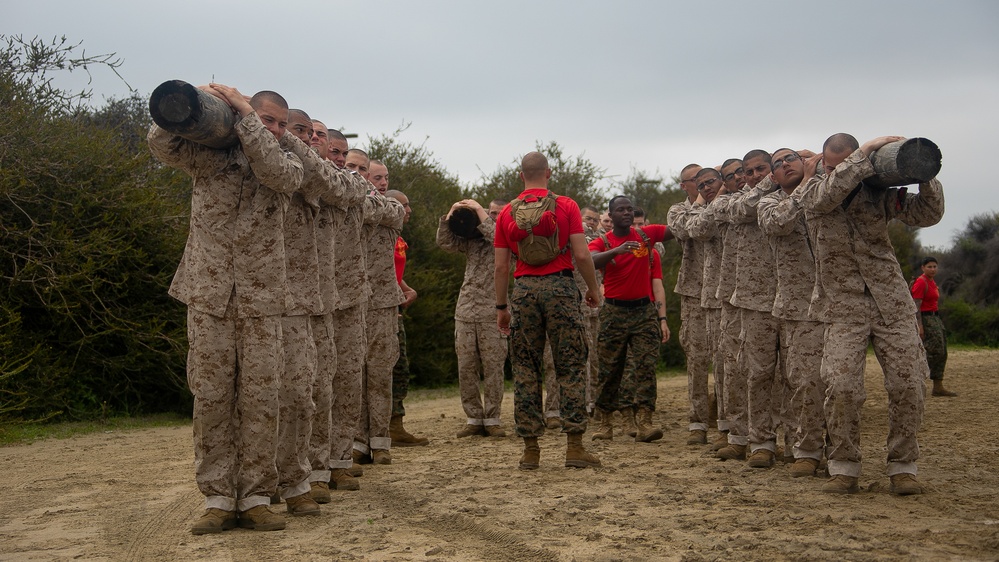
(785, 160)
(707, 183)
(731, 175)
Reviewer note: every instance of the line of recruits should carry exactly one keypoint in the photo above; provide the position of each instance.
(292, 276)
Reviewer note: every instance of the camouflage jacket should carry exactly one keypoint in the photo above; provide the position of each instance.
(783, 221)
(755, 282)
(853, 254)
(477, 297)
(235, 245)
(689, 280)
(383, 218)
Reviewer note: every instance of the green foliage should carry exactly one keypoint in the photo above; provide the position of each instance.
(905, 242)
(435, 274)
(970, 324)
(87, 250)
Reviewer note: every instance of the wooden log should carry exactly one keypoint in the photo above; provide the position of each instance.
(464, 222)
(905, 162)
(193, 114)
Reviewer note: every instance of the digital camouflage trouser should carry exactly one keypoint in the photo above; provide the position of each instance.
(935, 343)
(694, 341)
(296, 406)
(547, 306)
(627, 334)
(400, 373)
(481, 350)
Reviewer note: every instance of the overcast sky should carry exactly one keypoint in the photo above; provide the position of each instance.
(651, 85)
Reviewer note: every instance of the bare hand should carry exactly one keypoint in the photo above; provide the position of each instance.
(811, 164)
(665, 331)
(805, 153)
(871, 146)
(231, 96)
(503, 321)
(627, 247)
(592, 298)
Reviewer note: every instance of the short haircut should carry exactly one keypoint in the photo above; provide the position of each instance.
(301, 113)
(639, 212)
(610, 204)
(730, 161)
(359, 151)
(757, 153)
(318, 122)
(787, 149)
(500, 202)
(840, 143)
(533, 166)
(379, 162)
(267, 95)
(591, 208)
(929, 259)
(394, 193)
(335, 134)
(688, 167)
(708, 171)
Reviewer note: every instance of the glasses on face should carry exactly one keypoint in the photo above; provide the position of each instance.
(787, 159)
(707, 183)
(731, 175)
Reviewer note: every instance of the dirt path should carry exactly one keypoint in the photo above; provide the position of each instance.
(131, 496)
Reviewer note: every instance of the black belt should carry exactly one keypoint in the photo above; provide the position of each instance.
(562, 273)
(931, 313)
(628, 304)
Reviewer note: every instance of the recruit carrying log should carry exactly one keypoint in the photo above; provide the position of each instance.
(196, 115)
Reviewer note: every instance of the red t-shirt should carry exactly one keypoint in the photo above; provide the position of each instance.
(926, 289)
(569, 222)
(400, 258)
(627, 276)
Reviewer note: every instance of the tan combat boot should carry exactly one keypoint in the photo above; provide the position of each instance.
(381, 456)
(214, 521)
(804, 467)
(606, 429)
(320, 492)
(260, 518)
(628, 426)
(761, 458)
(302, 504)
(697, 437)
(647, 433)
(470, 430)
(905, 485)
(531, 458)
(721, 442)
(340, 479)
(732, 452)
(575, 455)
(495, 431)
(401, 438)
(554, 422)
(939, 390)
(841, 484)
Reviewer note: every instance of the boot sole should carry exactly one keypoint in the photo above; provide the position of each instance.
(226, 525)
(529, 466)
(348, 486)
(247, 524)
(654, 436)
(581, 464)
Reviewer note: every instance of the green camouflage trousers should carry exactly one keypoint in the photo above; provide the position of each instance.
(935, 342)
(547, 306)
(627, 335)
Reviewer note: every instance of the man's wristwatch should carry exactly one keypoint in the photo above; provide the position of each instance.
(500, 307)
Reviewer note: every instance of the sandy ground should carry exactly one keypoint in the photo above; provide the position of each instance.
(131, 496)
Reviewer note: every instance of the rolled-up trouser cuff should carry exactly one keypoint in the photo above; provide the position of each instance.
(251, 502)
(845, 468)
(296, 490)
(319, 476)
(741, 440)
(901, 468)
(491, 421)
(697, 426)
(722, 425)
(768, 445)
(476, 421)
(553, 414)
(381, 443)
(362, 448)
(220, 502)
(341, 463)
(799, 454)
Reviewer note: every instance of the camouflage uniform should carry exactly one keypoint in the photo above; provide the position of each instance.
(693, 338)
(935, 343)
(400, 372)
(382, 224)
(705, 227)
(783, 221)
(340, 190)
(547, 306)
(755, 288)
(861, 296)
(232, 279)
(730, 325)
(480, 346)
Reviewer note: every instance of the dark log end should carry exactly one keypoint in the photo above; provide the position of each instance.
(464, 222)
(919, 159)
(174, 104)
